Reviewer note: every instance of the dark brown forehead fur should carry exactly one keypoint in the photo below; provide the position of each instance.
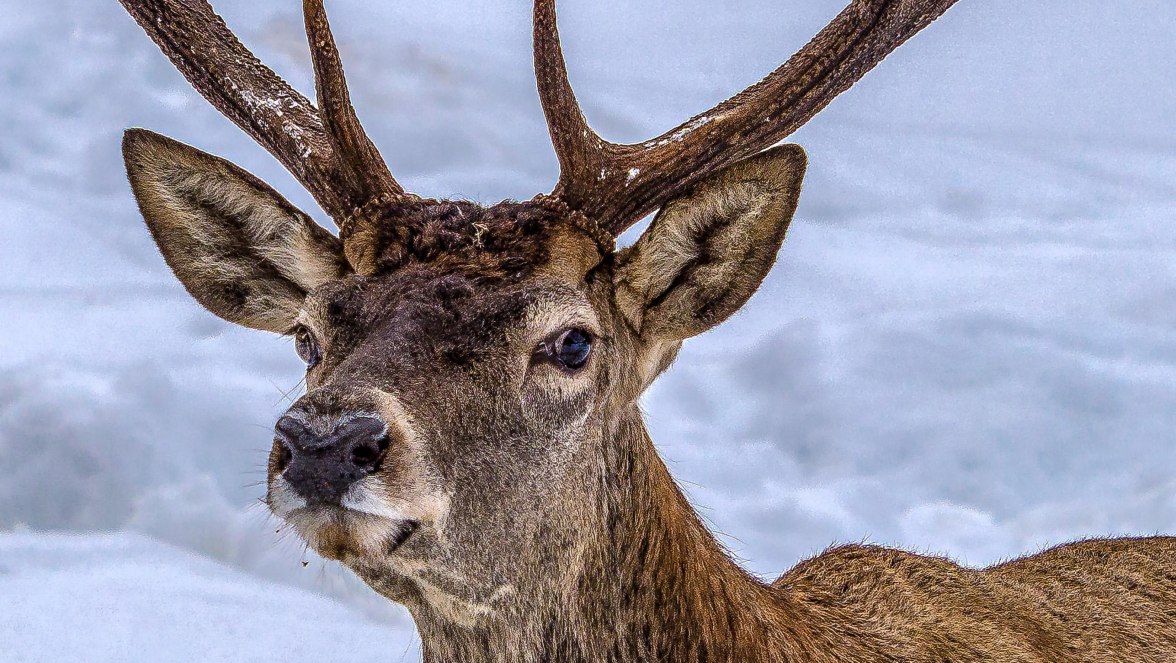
(421, 313)
(503, 241)
(444, 274)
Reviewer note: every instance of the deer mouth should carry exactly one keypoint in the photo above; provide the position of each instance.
(345, 531)
(407, 529)
(346, 535)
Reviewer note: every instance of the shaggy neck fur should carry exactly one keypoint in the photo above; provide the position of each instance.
(656, 586)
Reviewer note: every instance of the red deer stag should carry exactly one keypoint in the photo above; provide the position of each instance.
(470, 442)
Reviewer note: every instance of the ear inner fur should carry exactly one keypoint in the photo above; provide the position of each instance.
(238, 247)
(707, 252)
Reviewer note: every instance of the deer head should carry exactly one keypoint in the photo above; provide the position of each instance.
(470, 441)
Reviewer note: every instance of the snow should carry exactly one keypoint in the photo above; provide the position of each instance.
(123, 597)
(968, 345)
(680, 134)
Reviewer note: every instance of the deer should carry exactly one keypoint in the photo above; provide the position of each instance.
(470, 442)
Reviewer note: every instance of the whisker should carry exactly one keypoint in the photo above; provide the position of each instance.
(286, 392)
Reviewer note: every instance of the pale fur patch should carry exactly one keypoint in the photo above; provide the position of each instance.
(446, 603)
(349, 536)
(280, 236)
(218, 226)
(551, 315)
(548, 317)
(282, 499)
(372, 496)
(650, 266)
(673, 241)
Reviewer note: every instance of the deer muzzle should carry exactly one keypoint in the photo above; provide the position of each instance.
(321, 460)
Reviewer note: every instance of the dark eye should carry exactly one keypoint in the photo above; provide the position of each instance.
(307, 347)
(571, 348)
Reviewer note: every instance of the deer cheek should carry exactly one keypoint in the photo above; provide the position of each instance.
(557, 402)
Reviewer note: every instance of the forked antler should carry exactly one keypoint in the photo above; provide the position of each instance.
(614, 184)
(618, 184)
(325, 148)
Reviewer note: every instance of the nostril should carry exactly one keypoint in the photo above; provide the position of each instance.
(287, 433)
(367, 454)
(291, 433)
(284, 456)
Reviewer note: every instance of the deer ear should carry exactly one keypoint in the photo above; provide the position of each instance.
(708, 251)
(239, 248)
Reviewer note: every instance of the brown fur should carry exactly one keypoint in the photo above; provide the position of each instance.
(658, 587)
(522, 513)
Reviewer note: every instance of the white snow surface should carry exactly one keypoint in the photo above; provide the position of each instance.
(124, 597)
(968, 345)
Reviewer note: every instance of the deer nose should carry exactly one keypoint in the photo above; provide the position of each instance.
(320, 465)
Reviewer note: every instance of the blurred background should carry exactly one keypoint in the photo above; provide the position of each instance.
(968, 346)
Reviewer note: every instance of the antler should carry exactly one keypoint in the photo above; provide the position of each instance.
(618, 184)
(614, 184)
(326, 149)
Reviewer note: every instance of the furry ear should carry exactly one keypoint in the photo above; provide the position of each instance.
(239, 248)
(708, 251)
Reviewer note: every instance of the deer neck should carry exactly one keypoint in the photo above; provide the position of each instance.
(654, 585)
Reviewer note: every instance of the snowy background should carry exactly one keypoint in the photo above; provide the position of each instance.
(968, 346)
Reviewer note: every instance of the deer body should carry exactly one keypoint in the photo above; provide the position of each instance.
(470, 442)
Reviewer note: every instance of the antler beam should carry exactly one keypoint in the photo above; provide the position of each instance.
(326, 151)
(618, 184)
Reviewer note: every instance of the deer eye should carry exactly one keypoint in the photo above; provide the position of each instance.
(571, 349)
(307, 347)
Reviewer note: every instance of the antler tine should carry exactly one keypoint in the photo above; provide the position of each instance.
(365, 169)
(619, 184)
(327, 152)
(579, 149)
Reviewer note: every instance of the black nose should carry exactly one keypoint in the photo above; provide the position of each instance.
(322, 465)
